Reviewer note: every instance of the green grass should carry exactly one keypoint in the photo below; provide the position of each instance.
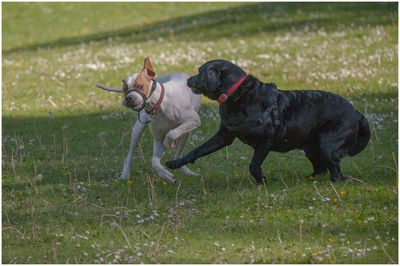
(61, 198)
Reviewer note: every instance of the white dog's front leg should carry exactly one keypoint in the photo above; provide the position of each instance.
(158, 153)
(185, 127)
(178, 152)
(137, 131)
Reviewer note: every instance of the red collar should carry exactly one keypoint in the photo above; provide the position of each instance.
(155, 108)
(224, 96)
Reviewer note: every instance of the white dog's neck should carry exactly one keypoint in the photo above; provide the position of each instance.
(152, 101)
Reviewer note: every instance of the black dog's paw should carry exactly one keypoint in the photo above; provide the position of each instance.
(261, 180)
(340, 178)
(174, 164)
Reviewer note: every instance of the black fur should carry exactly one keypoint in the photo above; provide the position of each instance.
(323, 124)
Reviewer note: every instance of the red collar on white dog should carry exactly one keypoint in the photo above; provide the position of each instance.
(224, 96)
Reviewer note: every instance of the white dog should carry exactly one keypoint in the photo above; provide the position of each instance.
(168, 105)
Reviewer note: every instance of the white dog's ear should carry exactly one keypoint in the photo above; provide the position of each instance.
(148, 68)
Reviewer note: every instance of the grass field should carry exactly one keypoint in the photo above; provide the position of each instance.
(64, 140)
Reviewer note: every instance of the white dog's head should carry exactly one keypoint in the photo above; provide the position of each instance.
(137, 87)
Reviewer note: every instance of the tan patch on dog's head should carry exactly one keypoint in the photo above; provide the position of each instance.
(144, 78)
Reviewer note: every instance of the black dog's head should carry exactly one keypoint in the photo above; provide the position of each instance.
(215, 77)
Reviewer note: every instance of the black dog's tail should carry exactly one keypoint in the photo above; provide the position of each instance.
(364, 134)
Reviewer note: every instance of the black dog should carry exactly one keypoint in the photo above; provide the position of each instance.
(323, 124)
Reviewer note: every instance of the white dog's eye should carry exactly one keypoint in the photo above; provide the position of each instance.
(139, 87)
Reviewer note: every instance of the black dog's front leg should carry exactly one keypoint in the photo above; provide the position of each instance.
(260, 153)
(221, 139)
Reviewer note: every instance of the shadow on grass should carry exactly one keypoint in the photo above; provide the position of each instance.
(242, 21)
(96, 145)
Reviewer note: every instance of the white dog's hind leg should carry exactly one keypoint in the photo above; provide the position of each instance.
(178, 153)
(137, 131)
(158, 153)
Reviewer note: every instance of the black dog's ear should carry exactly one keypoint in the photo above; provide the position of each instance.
(213, 78)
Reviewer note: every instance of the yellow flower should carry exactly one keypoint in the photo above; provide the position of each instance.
(331, 240)
(84, 30)
(164, 183)
(147, 180)
(334, 200)
(236, 174)
(155, 180)
(310, 177)
(316, 254)
(130, 182)
(278, 255)
(65, 174)
(343, 193)
(74, 34)
(333, 262)
(127, 133)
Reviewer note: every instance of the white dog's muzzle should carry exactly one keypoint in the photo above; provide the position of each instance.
(136, 99)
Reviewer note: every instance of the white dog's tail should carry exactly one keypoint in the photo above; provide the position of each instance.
(108, 88)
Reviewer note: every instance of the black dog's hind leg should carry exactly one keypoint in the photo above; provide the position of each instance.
(331, 155)
(260, 153)
(218, 141)
(313, 154)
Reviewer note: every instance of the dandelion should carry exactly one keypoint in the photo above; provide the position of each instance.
(65, 174)
(311, 177)
(164, 183)
(315, 253)
(84, 30)
(155, 180)
(127, 133)
(147, 180)
(130, 182)
(236, 174)
(343, 193)
(331, 240)
(334, 200)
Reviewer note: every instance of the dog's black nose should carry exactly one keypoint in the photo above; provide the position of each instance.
(129, 98)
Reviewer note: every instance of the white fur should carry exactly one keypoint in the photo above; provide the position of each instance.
(170, 125)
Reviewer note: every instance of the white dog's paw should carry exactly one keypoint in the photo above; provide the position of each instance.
(170, 140)
(188, 171)
(124, 175)
(167, 176)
